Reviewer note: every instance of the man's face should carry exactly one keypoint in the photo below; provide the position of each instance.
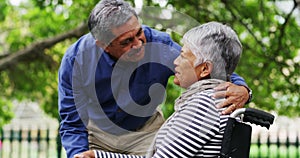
(185, 73)
(129, 42)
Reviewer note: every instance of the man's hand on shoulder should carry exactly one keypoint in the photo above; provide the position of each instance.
(236, 96)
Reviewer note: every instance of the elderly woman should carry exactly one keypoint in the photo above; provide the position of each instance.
(209, 56)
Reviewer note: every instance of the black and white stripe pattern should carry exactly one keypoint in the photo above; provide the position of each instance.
(194, 130)
(103, 154)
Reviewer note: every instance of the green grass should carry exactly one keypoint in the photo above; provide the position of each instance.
(273, 151)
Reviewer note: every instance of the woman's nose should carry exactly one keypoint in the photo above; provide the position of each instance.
(176, 61)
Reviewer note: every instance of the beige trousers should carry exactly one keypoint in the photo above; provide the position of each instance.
(136, 143)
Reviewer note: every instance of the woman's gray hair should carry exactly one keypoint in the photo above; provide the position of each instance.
(108, 14)
(217, 43)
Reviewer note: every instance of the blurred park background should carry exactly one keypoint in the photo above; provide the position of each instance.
(34, 34)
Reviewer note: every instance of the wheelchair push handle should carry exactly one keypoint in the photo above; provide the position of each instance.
(255, 116)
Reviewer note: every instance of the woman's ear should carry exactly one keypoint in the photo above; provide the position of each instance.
(203, 70)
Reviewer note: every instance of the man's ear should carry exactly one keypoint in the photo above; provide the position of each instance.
(205, 69)
(102, 45)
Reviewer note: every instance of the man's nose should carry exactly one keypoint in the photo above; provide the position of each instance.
(137, 43)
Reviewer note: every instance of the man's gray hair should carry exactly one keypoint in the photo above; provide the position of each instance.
(108, 14)
(217, 43)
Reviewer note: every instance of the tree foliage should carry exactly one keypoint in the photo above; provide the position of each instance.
(35, 34)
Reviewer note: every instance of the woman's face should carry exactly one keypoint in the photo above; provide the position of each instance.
(185, 73)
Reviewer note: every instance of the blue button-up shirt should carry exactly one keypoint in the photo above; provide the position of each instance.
(117, 96)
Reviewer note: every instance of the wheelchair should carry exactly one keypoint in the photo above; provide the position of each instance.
(237, 136)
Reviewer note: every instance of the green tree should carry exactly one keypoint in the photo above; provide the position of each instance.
(271, 56)
(35, 34)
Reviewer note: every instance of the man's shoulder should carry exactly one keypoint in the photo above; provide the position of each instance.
(153, 35)
(83, 50)
(84, 43)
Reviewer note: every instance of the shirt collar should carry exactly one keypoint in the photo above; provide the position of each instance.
(108, 59)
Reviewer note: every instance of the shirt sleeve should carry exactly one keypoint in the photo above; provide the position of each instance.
(191, 128)
(73, 133)
(238, 80)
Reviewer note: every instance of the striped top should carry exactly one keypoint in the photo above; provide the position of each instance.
(195, 129)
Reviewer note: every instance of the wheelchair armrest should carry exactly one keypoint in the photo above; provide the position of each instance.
(255, 116)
